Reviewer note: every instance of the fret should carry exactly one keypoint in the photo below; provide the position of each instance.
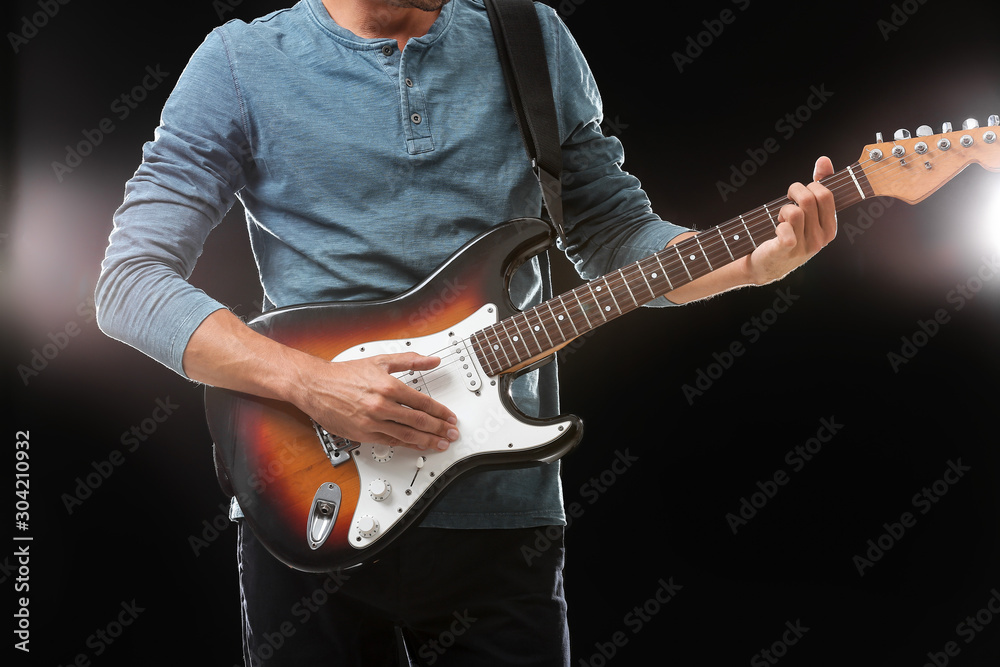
(515, 338)
(748, 231)
(555, 320)
(666, 275)
(610, 291)
(527, 328)
(681, 257)
(540, 327)
(569, 317)
(722, 236)
(583, 312)
(700, 246)
(477, 346)
(625, 282)
(761, 231)
(773, 222)
(642, 272)
(492, 351)
(596, 300)
(738, 239)
(498, 345)
(695, 266)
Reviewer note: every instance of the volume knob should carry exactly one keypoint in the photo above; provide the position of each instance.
(379, 489)
(368, 526)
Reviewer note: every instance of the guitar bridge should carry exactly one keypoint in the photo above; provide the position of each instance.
(337, 449)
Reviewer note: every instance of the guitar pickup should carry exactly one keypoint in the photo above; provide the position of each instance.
(465, 365)
(337, 449)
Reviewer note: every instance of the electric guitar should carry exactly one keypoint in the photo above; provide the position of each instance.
(319, 502)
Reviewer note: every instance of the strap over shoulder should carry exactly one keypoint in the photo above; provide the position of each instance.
(518, 36)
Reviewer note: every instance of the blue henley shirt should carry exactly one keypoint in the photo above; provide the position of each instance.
(360, 169)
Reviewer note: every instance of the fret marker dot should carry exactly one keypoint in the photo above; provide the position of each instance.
(691, 258)
(606, 308)
(598, 288)
(538, 328)
(515, 339)
(560, 317)
(736, 237)
(496, 347)
(653, 275)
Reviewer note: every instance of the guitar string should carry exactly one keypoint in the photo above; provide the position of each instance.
(757, 220)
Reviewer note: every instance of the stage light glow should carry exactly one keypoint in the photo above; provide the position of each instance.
(989, 223)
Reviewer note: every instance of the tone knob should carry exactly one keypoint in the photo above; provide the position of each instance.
(924, 131)
(368, 526)
(901, 134)
(970, 124)
(379, 489)
(381, 453)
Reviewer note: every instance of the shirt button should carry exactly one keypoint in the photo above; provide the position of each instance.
(386, 50)
(415, 118)
(409, 82)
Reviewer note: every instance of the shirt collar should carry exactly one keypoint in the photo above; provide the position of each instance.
(349, 39)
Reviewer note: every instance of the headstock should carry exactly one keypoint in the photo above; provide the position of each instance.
(911, 168)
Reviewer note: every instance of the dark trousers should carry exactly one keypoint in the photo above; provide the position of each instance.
(455, 597)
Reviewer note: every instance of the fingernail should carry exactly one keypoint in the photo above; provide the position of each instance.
(453, 420)
(452, 435)
(442, 445)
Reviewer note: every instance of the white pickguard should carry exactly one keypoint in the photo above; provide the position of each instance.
(394, 478)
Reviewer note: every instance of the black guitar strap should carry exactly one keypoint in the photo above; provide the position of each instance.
(518, 36)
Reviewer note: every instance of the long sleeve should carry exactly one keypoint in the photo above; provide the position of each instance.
(608, 216)
(185, 185)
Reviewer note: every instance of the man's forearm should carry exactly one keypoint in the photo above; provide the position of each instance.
(723, 279)
(359, 400)
(224, 352)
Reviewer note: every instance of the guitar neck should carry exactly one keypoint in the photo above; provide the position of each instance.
(537, 332)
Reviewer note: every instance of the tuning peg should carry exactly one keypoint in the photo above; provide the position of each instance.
(878, 137)
(970, 124)
(993, 120)
(901, 134)
(945, 128)
(924, 131)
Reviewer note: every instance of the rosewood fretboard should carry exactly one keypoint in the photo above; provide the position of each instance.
(539, 331)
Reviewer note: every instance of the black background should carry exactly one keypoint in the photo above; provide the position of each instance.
(824, 360)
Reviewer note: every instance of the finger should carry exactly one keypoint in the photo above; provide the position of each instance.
(826, 211)
(397, 434)
(798, 214)
(823, 168)
(411, 361)
(406, 361)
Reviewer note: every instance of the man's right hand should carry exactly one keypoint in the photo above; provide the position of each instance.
(362, 401)
(359, 400)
